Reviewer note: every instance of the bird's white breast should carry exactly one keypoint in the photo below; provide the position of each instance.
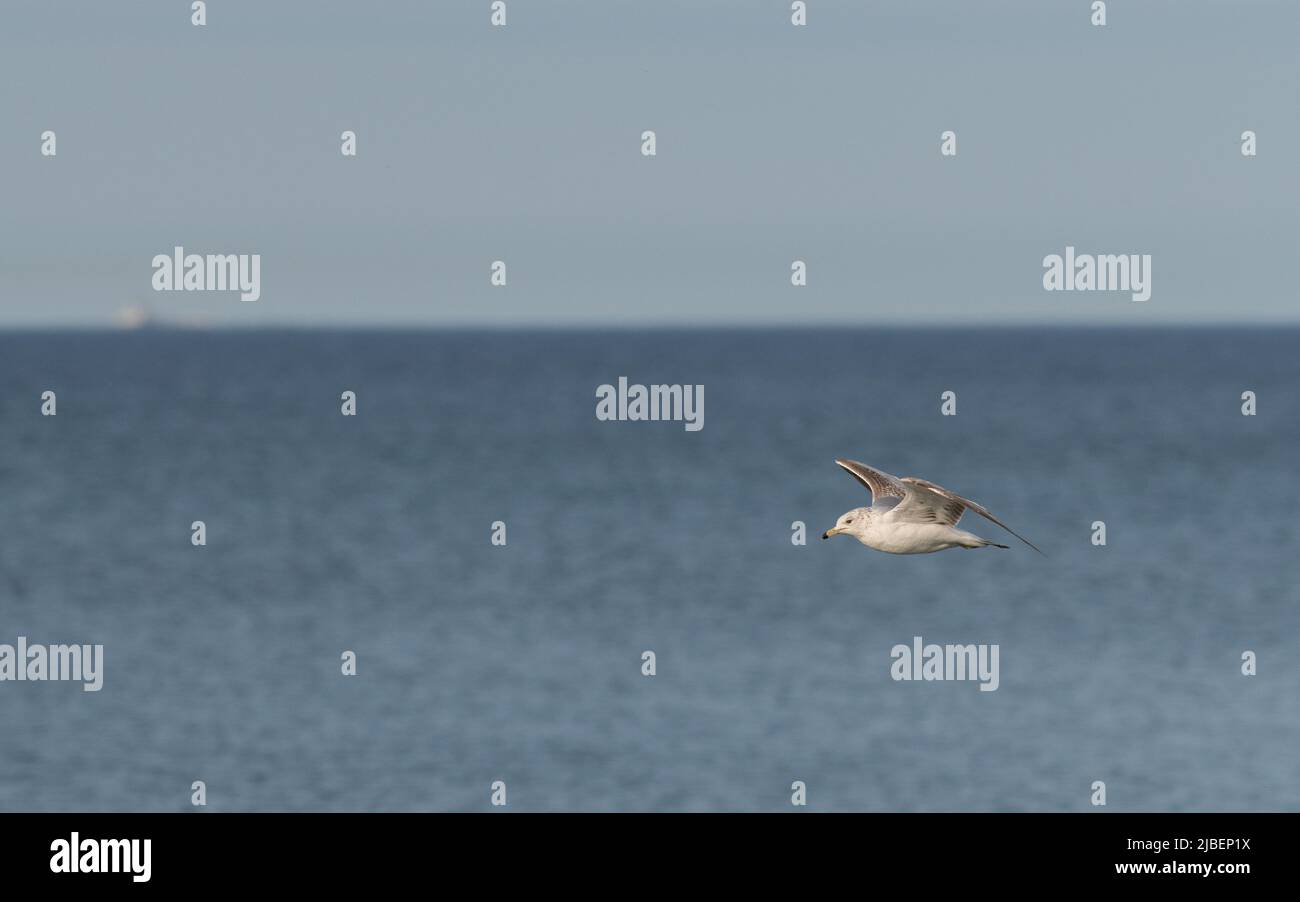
(908, 538)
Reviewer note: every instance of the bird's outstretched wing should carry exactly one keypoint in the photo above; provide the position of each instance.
(884, 489)
(927, 502)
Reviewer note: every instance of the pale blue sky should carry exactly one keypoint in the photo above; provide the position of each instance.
(775, 143)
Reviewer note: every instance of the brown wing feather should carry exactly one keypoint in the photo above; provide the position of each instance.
(877, 482)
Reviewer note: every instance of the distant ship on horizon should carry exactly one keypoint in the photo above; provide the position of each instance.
(136, 317)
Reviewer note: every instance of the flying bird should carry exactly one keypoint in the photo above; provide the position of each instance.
(910, 515)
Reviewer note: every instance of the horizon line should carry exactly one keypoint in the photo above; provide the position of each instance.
(634, 326)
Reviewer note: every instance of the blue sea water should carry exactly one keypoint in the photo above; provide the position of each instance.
(522, 663)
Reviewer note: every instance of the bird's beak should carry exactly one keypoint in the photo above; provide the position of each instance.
(830, 532)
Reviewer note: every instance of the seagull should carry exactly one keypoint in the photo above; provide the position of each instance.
(910, 515)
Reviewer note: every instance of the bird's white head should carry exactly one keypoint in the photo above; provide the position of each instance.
(852, 523)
